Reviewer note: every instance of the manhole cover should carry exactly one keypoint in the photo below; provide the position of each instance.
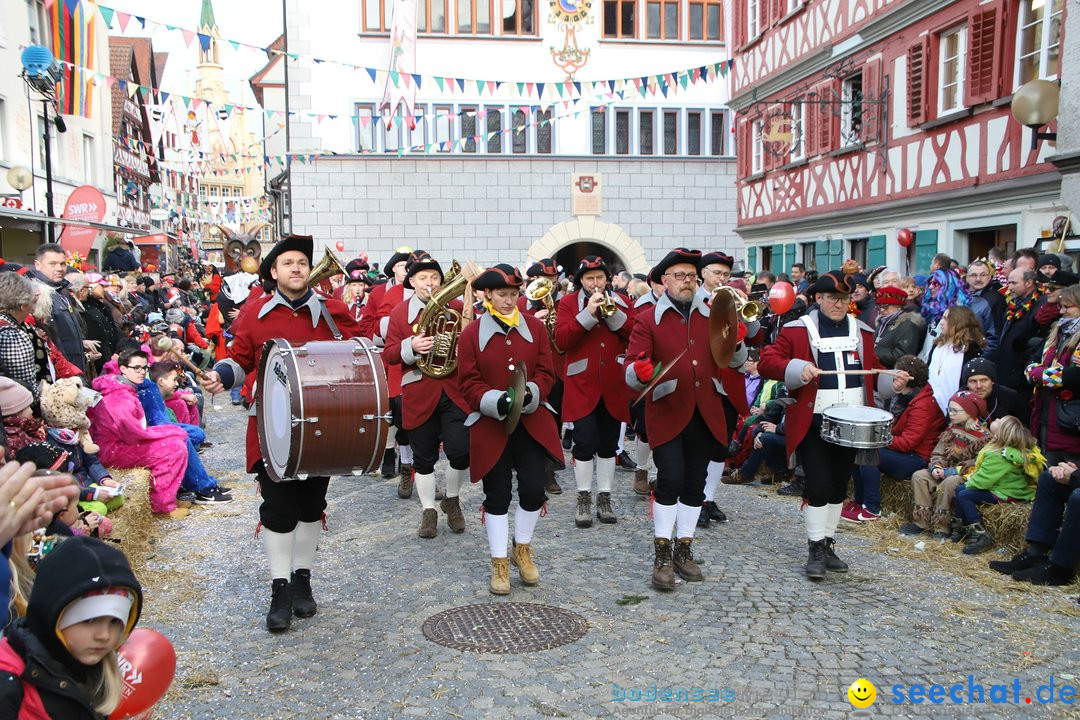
(506, 628)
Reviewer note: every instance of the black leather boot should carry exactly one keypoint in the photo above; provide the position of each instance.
(833, 563)
(815, 563)
(389, 464)
(280, 616)
(303, 604)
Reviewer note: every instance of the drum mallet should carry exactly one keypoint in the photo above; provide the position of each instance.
(164, 344)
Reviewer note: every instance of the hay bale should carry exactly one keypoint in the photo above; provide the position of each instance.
(133, 524)
(897, 496)
(1007, 523)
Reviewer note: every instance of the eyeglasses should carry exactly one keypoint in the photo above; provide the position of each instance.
(138, 368)
(682, 276)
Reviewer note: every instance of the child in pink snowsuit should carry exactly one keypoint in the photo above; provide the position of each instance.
(118, 425)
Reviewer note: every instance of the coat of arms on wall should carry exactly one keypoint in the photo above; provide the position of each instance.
(569, 15)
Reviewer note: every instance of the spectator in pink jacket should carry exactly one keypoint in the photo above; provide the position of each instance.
(119, 427)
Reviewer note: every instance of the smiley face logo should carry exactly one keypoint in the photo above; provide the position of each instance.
(862, 693)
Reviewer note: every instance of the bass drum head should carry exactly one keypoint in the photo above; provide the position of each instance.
(275, 409)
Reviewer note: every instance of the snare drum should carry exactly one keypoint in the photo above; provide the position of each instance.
(856, 426)
(322, 408)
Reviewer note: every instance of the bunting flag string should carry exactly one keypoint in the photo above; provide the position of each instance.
(662, 82)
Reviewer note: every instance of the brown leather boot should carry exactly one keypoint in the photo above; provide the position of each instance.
(521, 558)
(684, 561)
(429, 522)
(405, 483)
(552, 486)
(454, 518)
(663, 576)
(641, 481)
(500, 576)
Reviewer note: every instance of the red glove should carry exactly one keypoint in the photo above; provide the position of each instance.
(740, 334)
(643, 368)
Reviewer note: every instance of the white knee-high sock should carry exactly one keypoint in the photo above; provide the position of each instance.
(664, 517)
(391, 434)
(712, 479)
(305, 543)
(605, 474)
(687, 516)
(833, 518)
(498, 532)
(279, 550)
(583, 475)
(425, 489)
(454, 481)
(405, 451)
(622, 434)
(524, 524)
(642, 453)
(816, 520)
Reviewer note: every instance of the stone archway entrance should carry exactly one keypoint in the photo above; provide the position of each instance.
(572, 240)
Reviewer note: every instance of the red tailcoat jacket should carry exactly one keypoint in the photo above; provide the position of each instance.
(270, 316)
(419, 393)
(485, 353)
(558, 359)
(785, 359)
(593, 346)
(732, 379)
(661, 332)
(379, 309)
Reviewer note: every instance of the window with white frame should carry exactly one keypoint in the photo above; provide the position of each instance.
(37, 22)
(753, 14)
(622, 132)
(431, 16)
(468, 129)
(599, 131)
(798, 131)
(757, 149)
(646, 132)
(851, 111)
(457, 17)
(793, 5)
(693, 132)
(519, 131)
(1038, 41)
(494, 130)
(951, 69)
(705, 21)
(89, 160)
(365, 128)
(442, 128)
(545, 132)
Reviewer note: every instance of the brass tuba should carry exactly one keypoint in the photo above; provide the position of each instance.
(442, 323)
(540, 291)
(748, 310)
(330, 266)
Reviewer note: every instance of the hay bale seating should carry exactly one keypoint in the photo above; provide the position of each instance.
(1006, 522)
(133, 524)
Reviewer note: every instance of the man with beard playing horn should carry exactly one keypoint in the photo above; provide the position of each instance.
(594, 394)
(806, 356)
(291, 512)
(684, 410)
(490, 349)
(432, 408)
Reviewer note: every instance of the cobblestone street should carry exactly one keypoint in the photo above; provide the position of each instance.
(783, 647)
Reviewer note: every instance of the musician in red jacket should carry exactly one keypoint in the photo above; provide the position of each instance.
(373, 327)
(824, 341)
(684, 410)
(489, 348)
(291, 512)
(546, 268)
(594, 395)
(433, 410)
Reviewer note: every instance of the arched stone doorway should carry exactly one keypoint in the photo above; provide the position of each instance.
(572, 240)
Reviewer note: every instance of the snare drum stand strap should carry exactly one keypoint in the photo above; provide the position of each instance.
(330, 321)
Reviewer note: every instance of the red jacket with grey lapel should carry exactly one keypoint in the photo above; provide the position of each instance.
(592, 347)
(485, 354)
(419, 392)
(785, 359)
(661, 332)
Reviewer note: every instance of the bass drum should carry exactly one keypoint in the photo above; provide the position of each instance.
(321, 408)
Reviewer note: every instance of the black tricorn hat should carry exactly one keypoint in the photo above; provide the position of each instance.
(543, 266)
(420, 260)
(303, 243)
(675, 257)
(590, 262)
(402, 253)
(498, 276)
(834, 281)
(716, 258)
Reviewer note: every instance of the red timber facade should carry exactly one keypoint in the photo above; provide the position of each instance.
(856, 118)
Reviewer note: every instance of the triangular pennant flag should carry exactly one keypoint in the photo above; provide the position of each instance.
(416, 79)
(145, 92)
(520, 87)
(235, 44)
(529, 87)
(188, 36)
(684, 79)
(132, 90)
(106, 15)
(480, 87)
(110, 81)
(142, 21)
(371, 73)
(577, 88)
(439, 82)
(491, 86)
(406, 78)
(164, 97)
(461, 83)
(123, 19)
(394, 77)
(539, 91)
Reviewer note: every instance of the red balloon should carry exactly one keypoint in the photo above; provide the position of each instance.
(147, 665)
(781, 297)
(905, 237)
(340, 245)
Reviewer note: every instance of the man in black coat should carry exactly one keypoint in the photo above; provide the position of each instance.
(1015, 348)
(50, 267)
(119, 258)
(980, 278)
(898, 332)
(980, 377)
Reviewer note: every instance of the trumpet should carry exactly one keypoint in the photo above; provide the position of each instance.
(748, 310)
(541, 291)
(607, 305)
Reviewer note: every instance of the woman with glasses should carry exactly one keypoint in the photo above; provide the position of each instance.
(118, 425)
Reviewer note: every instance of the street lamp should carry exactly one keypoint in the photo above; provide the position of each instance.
(42, 74)
(1035, 104)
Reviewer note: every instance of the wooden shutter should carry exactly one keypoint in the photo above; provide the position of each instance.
(779, 10)
(745, 152)
(918, 59)
(827, 129)
(983, 56)
(764, 11)
(789, 257)
(751, 259)
(810, 139)
(738, 23)
(873, 113)
(875, 251)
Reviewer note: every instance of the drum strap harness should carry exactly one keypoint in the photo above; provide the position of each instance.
(329, 321)
(849, 389)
